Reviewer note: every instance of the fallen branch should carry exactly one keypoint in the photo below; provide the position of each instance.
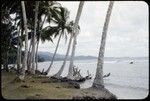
(107, 75)
(77, 77)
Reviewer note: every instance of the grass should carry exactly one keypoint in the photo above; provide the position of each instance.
(36, 89)
(33, 88)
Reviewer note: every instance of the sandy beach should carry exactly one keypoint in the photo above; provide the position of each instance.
(44, 88)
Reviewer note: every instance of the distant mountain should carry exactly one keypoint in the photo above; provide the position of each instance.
(84, 57)
(47, 56)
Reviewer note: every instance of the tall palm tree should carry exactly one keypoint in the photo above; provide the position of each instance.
(50, 11)
(34, 37)
(70, 72)
(62, 28)
(18, 52)
(38, 40)
(58, 74)
(98, 81)
(47, 9)
(7, 31)
(24, 66)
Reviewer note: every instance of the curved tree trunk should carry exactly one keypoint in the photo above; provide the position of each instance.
(70, 72)
(18, 52)
(98, 81)
(24, 66)
(54, 55)
(34, 37)
(36, 55)
(64, 62)
(29, 56)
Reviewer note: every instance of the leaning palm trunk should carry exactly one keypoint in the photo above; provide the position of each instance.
(29, 56)
(36, 54)
(54, 55)
(24, 66)
(18, 52)
(70, 72)
(64, 62)
(98, 81)
(34, 37)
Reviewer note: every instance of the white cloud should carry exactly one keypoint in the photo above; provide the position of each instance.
(127, 33)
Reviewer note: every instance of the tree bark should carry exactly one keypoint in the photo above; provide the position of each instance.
(64, 62)
(54, 54)
(70, 72)
(24, 66)
(98, 81)
(34, 36)
(36, 55)
(6, 61)
(18, 52)
(29, 56)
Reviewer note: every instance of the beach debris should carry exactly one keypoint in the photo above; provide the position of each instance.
(131, 62)
(38, 72)
(107, 75)
(25, 86)
(13, 70)
(78, 77)
(84, 97)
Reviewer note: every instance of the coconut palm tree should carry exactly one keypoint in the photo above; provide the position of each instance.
(58, 74)
(15, 8)
(38, 40)
(70, 72)
(18, 52)
(62, 28)
(34, 36)
(48, 9)
(5, 43)
(98, 81)
(24, 66)
(8, 30)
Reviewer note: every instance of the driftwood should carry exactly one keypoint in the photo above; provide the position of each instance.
(107, 75)
(131, 62)
(77, 77)
(72, 83)
(12, 69)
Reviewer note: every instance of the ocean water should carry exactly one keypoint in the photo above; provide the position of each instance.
(126, 81)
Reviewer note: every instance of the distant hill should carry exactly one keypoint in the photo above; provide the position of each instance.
(47, 56)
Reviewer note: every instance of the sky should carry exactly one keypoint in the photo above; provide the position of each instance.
(127, 36)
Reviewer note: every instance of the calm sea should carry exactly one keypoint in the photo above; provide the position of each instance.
(126, 81)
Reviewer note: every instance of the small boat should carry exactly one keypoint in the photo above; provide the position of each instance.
(131, 62)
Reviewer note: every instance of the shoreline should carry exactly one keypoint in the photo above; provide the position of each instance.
(34, 88)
